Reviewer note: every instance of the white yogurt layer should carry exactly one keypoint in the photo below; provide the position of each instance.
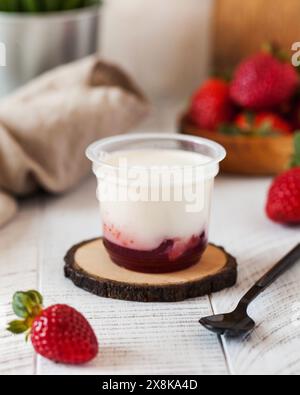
(149, 196)
(157, 157)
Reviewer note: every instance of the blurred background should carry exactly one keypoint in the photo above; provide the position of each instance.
(168, 46)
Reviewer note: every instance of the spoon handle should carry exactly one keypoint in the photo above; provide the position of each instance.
(281, 267)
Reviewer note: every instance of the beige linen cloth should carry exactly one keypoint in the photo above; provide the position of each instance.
(46, 126)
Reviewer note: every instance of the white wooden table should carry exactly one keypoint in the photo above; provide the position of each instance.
(155, 338)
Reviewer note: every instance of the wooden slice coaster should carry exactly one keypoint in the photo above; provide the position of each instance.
(89, 267)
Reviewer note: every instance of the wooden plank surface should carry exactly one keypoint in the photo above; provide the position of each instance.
(155, 338)
(257, 243)
(19, 258)
(134, 338)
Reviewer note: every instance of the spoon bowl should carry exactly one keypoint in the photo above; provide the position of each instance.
(230, 325)
(238, 323)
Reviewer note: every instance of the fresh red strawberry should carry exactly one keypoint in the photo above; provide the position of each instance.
(274, 122)
(262, 123)
(283, 204)
(211, 105)
(263, 82)
(59, 333)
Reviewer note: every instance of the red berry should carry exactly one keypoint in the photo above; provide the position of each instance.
(211, 105)
(264, 121)
(283, 205)
(245, 122)
(263, 82)
(275, 122)
(62, 334)
(59, 333)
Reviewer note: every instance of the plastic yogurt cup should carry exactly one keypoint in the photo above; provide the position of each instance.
(155, 193)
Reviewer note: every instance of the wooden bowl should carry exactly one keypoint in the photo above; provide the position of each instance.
(248, 155)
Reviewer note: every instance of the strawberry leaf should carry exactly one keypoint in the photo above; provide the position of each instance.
(35, 296)
(229, 130)
(266, 129)
(27, 304)
(296, 159)
(233, 130)
(17, 327)
(250, 117)
(20, 304)
(274, 49)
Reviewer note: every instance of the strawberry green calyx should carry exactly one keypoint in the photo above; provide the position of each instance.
(17, 327)
(296, 158)
(26, 305)
(274, 49)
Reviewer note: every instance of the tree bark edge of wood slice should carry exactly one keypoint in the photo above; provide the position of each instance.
(224, 278)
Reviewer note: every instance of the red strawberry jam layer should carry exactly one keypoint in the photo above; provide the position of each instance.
(170, 256)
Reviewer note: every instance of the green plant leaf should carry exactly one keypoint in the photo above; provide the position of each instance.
(32, 5)
(17, 327)
(35, 296)
(230, 130)
(296, 158)
(273, 48)
(27, 304)
(39, 6)
(20, 305)
(53, 5)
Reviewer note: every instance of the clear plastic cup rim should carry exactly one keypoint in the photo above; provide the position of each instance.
(97, 148)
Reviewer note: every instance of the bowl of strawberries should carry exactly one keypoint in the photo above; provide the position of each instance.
(255, 115)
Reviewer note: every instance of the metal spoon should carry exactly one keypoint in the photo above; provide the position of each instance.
(238, 323)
